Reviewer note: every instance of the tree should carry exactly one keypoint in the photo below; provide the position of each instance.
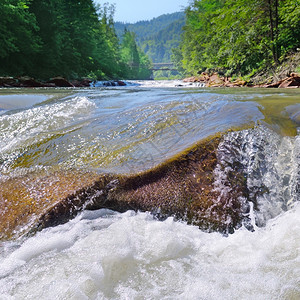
(238, 36)
(67, 31)
(18, 36)
(43, 39)
(137, 62)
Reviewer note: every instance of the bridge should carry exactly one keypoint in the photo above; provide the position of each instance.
(163, 67)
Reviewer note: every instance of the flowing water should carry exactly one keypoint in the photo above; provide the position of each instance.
(108, 255)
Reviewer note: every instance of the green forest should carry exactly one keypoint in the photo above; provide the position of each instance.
(237, 36)
(158, 36)
(77, 39)
(74, 39)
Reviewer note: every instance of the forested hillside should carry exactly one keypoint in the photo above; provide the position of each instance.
(158, 36)
(159, 46)
(42, 38)
(238, 36)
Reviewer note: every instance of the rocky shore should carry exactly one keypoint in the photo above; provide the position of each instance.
(29, 82)
(292, 80)
(205, 79)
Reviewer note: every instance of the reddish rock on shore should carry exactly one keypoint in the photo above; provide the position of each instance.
(61, 82)
(82, 83)
(214, 80)
(292, 81)
(28, 82)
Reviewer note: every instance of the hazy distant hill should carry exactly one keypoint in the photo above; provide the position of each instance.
(158, 36)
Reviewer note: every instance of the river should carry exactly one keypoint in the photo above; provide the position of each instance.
(103, 254)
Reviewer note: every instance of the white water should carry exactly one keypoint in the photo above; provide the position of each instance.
(153, 83)
(271, 165)
(102, 255)
(167, 83)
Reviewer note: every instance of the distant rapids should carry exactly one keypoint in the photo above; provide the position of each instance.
(57, 141)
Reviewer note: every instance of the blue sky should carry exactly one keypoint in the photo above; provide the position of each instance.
(138, 10)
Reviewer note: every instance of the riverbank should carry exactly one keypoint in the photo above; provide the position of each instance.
(286, 75)
(29, 82)
(215, 80)
(204, 80)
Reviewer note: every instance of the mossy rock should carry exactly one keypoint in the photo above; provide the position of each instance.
(24, 199)
(182, 187)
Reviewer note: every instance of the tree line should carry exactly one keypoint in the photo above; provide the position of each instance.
(74, 39)
(159, 46)
(158, 36)
(237, 36)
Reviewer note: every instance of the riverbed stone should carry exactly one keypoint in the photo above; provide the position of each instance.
(121, 83)
(216, 81)
(182, 187)
(25, 198)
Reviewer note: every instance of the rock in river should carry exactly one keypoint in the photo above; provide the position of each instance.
(182, 187)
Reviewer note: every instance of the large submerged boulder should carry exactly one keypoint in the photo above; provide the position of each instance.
(184, 187)
(25, 198)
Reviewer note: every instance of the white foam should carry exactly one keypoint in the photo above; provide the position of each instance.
(102, 255)
(270, 163)
(167, 83)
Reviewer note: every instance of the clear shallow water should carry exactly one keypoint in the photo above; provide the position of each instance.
(121, 129)
(107, 255)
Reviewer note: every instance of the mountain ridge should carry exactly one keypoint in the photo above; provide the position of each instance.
(156, 37)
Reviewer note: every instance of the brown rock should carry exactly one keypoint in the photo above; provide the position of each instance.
(24, 199)
(182, 187)
(76, 83)
(273, 85)
(204, 77)
(61, 82)
(8, 82)
(29, 82)
(82, 83)
(216, 81)
(121, 83)
(190, 79)
(290, 82)
(236, 83)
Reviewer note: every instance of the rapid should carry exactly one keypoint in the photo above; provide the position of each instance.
(104, 254)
